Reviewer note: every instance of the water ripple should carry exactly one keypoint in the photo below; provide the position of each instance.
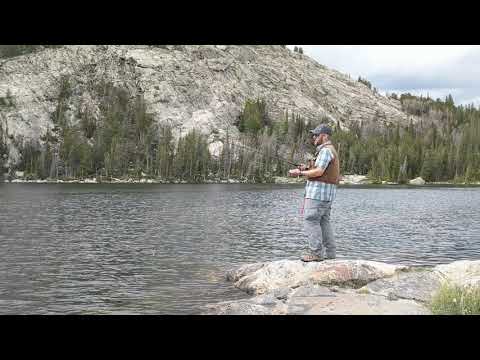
(164, 249)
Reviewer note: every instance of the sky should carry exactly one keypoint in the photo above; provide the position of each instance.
(434, 70)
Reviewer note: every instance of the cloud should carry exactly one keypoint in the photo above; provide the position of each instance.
(418, 69)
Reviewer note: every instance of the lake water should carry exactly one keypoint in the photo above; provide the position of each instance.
(164, 249)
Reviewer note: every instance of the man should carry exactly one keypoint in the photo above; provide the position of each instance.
(320, 191)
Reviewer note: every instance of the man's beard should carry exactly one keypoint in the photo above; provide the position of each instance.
(320, 142)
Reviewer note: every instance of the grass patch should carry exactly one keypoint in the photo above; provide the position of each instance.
(456, 300)
(363, 290)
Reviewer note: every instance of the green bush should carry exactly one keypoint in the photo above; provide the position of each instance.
(456, 300)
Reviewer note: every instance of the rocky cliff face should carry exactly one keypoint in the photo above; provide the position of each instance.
(201, 86)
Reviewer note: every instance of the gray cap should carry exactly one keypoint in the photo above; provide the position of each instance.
(322, 129)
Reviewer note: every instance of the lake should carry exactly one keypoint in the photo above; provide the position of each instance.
(164, 249)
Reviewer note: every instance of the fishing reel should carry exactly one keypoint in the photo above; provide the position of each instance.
(310, 164)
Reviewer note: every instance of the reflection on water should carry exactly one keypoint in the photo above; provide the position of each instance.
(164, 249)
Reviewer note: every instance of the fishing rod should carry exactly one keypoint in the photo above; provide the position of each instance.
(258, 153)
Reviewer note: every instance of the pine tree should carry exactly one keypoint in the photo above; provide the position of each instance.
(469, 174)
(428, 169)
(284, 128)
(403, 172)
(3, 150)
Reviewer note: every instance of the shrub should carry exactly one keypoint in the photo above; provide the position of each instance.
(456, 300)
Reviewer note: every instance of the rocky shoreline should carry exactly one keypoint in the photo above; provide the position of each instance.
(119, 181)
(359, 180)
(341, 287)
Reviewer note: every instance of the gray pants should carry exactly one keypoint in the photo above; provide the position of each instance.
(318, 229)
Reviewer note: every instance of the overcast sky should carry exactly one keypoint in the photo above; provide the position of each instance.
(436, 70)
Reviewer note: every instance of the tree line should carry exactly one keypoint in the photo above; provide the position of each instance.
(444, 145)
(125, 141)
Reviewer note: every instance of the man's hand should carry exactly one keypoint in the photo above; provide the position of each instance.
(294, 172)
(302, 167)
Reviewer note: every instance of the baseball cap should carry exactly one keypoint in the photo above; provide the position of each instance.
(322, 129)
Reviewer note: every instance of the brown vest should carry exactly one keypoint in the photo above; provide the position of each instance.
(331, 174)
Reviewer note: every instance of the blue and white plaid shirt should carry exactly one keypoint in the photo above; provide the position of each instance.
(316, 189)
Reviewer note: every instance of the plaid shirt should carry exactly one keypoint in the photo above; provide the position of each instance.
(316, 189)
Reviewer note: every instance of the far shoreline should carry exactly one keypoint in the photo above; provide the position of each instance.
(277, 181)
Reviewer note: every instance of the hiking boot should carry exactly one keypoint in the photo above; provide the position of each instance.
(311, 258)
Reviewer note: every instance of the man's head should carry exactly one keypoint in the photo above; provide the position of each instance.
(321, 134)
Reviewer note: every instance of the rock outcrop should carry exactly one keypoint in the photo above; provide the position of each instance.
(462, 273)
(354, 180)
(318, 300)
(288, 287)
(261, 278)
(417, 181)
(417, 285)
(201, 86)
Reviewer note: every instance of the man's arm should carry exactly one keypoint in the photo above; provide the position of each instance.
(316, 172)
(307, 173)
(321, 164)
